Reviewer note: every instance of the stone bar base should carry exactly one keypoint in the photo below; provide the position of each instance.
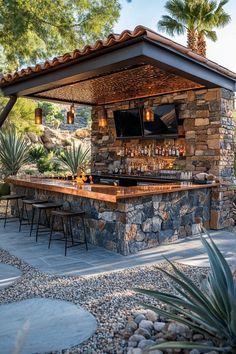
(136, 224)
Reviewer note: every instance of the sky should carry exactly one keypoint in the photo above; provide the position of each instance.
(149, 12)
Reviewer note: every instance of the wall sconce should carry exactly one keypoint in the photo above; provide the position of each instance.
(71, 115)
(102, 118)
(148, 114)
(38, 116)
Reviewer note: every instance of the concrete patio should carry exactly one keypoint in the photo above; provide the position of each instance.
(98, 260)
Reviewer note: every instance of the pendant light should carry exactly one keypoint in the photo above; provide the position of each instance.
(148, 114)
(71, 115)
(38, 116)
(102, 118)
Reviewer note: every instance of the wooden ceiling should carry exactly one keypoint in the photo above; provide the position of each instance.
(138, 82)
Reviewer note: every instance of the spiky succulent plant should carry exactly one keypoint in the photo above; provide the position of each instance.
(210, 311)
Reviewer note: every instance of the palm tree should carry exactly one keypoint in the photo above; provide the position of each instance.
(196, 17)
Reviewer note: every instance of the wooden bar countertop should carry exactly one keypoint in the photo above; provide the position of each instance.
(107, 193)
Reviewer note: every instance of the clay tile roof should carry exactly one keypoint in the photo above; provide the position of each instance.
(112, 40)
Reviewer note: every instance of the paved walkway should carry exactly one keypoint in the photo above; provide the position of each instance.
(43, 325)
(8, 275)
(97, 260)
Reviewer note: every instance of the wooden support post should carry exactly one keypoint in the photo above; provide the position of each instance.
(7, 109)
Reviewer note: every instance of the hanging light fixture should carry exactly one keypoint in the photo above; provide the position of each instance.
(38, 116)
(148, 114)
(102, 118)
(71, 115)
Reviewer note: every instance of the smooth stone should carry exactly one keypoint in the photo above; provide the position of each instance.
(148, 325)
(146, 343)
(178, 328)
(43, 325)
(139, 318)
(151, 315)
(143, 332)
(136, 338)
(135, 351)
(159, 326)
(8, 275)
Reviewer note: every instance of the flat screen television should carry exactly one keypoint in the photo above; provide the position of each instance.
(165, 122)
(128, 123)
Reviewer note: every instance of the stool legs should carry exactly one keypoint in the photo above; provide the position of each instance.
(6, 210)
(67, 232)
(32, 221)
(37, 227)
(52, 225)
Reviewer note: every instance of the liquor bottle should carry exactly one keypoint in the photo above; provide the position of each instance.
(156, 150)
(132, 152)
(177, 151)
(163, 152)
(173, 152)
(142, 151)
(170, 151)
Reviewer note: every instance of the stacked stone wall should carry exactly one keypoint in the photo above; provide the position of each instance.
(207, 126)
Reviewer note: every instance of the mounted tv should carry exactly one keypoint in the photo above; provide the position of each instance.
(128, 123)
(165, 122)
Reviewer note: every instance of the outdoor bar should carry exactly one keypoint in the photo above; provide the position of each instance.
(162, 138)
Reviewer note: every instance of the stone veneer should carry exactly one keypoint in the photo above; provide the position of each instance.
(205, 121)
(138, 223)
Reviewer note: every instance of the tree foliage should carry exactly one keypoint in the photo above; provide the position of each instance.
(21, 115)
(198, 18)
(33, 30)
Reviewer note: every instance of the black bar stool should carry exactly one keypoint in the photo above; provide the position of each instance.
(12, 197)
(49, 206)
(24, 211)
(66, 217)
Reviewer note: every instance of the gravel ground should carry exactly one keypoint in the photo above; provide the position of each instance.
(108, 297)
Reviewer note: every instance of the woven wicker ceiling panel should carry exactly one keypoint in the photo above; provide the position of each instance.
(139, 82)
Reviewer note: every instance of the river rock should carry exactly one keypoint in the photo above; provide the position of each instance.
(178, 328)
(136, 338)
(148, 325)
(159, 326)
(146, 343)
(143, 332)
(139, 318)
(151, 315)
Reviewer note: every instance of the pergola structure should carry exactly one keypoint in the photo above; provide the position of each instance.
(131, 65)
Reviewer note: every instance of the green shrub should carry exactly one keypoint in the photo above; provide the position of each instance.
(4, 189)
(211, 312)
(48, 164)
(36, 153)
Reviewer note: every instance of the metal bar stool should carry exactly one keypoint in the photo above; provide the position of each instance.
(49, 206)
(24, 211)
(12, 197)
(66, 218)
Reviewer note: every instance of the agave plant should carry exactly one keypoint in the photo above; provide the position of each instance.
(210, 311)
(14, 151)
(36, 153)
(74, 158)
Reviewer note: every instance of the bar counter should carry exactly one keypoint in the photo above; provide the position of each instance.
(101, 192)
(127, 219)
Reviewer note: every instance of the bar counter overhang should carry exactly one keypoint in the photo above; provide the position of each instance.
(128, 219)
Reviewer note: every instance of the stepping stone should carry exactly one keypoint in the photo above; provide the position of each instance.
(43, 325)
(8, 275)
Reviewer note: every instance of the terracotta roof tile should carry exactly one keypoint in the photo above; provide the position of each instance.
(110, 41)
